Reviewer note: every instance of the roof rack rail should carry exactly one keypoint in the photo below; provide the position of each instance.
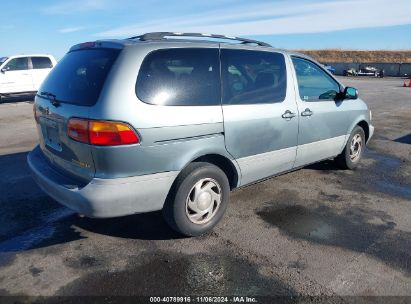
(162, 35)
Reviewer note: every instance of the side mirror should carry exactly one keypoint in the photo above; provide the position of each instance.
(350, 93)
(4, 70)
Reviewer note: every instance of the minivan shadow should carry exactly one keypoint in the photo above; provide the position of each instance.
(406, 139)
(145, 226)
(30, 219)
(326, 165)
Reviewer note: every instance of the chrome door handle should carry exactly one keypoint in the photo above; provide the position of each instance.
(288, 114)
(307, 112)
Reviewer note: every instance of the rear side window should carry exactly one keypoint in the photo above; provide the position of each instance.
(17, 64)
(252, 77)
(41, 63)
(79, 77)
(180, 77)
(314, 84)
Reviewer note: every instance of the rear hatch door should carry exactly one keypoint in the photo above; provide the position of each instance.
(71, 90)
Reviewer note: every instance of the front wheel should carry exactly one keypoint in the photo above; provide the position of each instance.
(197, 200)
(353, 151)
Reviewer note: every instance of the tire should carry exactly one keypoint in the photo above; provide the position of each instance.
(353, 150)
(195, 191)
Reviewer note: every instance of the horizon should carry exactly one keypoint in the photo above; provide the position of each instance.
(363, 25)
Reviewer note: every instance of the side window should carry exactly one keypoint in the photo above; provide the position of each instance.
(251, 77)
(313, 83)
(41, 63)
(17, 64)
(180, 77)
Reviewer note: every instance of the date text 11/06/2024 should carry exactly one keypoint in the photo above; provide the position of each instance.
(203, 299)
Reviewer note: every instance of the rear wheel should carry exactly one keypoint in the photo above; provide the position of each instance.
(197, 200)
(353, 151)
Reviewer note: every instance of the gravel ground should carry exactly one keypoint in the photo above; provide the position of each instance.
(316, 231)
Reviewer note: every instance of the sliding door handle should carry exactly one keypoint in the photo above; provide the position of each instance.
(288, 115)
(307, 112)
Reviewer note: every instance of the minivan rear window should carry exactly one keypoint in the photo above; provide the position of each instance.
(79, 76)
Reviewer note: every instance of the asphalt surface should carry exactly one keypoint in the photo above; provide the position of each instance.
(315, 231)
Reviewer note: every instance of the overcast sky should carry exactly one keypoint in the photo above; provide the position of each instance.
(53, 26)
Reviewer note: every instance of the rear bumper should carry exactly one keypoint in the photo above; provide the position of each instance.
(102, 197)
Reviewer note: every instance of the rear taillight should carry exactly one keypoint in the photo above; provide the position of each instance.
(101, 133)
(78, 130)
(35, 113)
(109, 133)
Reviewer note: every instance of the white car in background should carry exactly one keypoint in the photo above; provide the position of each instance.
(24, 73)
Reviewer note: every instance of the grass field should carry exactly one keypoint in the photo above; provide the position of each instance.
(338, 55)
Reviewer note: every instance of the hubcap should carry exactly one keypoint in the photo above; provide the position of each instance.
(203, 201)
(355, 147)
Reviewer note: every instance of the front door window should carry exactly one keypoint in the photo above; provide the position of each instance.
(314, 84)
(17, 64)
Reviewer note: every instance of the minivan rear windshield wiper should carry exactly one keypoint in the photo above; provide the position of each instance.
(52, 97)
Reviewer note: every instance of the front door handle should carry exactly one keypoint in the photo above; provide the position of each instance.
(307, 112)
(288, 115)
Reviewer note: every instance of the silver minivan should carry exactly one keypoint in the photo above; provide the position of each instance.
(160, 123)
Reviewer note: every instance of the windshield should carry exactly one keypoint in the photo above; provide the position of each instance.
(3, 59)
(79, 77)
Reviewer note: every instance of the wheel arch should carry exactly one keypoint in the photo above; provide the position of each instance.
(364, 125)
(224, 163)
(361, 121)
